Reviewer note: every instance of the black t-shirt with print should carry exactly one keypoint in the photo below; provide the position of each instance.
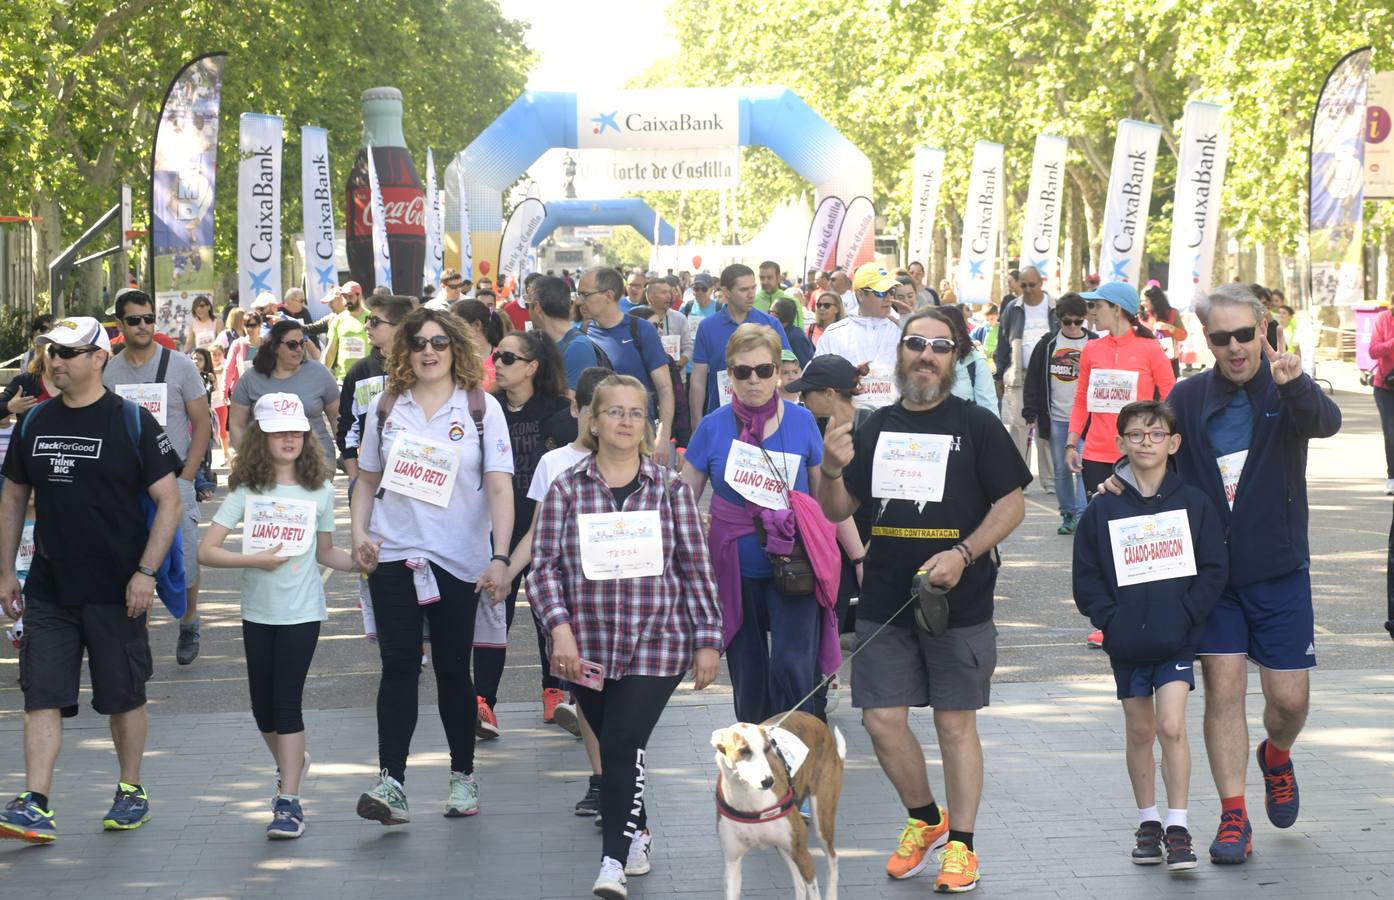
(983, 467)
(533, 431)
(88, 478)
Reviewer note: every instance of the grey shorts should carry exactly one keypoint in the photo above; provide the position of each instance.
(188, 524)
(907, 667)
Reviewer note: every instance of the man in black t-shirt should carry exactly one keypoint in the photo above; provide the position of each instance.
(944, 483)
(87, 456)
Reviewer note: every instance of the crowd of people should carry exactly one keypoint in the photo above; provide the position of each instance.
(867, 442)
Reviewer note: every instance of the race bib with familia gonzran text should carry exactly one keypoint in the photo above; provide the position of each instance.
(1110, 390)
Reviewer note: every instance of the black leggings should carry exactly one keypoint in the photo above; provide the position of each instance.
(278, 660)
(1384, 403)
(399, 643)
(489, 661)
(1095, 473)
(634, 704)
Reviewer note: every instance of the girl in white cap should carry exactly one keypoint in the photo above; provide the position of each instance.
(281, 492)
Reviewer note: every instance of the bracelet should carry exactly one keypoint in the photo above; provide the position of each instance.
(858, 561)
(499, 557)
(967, 554)
(829, 475)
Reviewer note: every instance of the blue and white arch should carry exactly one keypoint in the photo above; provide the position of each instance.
(630, 211)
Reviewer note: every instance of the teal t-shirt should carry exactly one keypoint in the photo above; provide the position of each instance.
(293, 593)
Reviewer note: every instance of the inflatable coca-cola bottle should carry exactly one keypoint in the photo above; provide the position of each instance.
(402, 195)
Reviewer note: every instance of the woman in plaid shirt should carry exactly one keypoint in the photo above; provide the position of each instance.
(622, 583)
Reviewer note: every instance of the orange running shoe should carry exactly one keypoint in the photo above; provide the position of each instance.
(1095, 639)
(917, 841)
(550, 698)
(958, 869)
(487, 728)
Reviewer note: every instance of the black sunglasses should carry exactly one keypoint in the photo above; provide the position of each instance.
(827, 305)
(1242, 335)
(133, 321)
(252, 320)
(764, 371)
(508, 357)
(69, 352)
(440, 343)
(918, 343)
(294, 345)
(700, 287)
(374, 321)
(1070, 323)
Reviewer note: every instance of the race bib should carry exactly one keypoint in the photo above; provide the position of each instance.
(878, 389)
(620, 545)
(789, 747)
(910, 466)
(1231, 467)
(1152, 548)
(672, 344)
(763, 482)
(268, 521)
(368, 388)
(24, 559)
(153, 397)
(355, 347)
(723, 386)
(1111, 389)
(422, 469)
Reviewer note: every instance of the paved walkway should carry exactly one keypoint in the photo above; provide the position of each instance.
(1057, 816)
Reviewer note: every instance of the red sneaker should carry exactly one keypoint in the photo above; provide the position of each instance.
(1095, 639)
(550, 698)
(487, 728)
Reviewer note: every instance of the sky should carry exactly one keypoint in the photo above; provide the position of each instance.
(558, 27)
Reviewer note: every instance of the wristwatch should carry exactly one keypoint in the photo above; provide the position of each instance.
(146, 570)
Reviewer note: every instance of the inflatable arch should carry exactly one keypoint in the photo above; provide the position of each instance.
(629, 211)
(773, 117)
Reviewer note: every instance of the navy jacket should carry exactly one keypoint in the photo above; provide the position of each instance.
(1035, 406)
(1160, 620)
(1267, 529)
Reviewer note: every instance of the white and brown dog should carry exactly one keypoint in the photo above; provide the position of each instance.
(764, 772)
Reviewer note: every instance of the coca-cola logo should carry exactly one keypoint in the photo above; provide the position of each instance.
(405, 207)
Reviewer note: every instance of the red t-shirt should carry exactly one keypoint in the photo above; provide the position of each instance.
(518, 314)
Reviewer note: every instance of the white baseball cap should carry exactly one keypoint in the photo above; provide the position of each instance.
(281, 412)
(78, 331)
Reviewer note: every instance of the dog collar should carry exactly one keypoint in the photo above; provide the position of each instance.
(768, 814)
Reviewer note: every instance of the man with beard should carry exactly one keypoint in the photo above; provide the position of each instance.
(348, 333)
(946, 484)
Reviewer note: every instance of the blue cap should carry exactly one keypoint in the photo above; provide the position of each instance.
(1119, 293)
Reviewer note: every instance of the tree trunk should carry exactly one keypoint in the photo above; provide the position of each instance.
(48, 238)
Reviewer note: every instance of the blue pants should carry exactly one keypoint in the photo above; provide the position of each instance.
(774, 657)
(1069, 487)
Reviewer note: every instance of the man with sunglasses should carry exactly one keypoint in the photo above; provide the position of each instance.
(869, 336)
(1024, 321)
(702, 304)
(367, 377)
(1245, 424)
(169, 385)
(348, 333)
(945, 485)
(92, 579)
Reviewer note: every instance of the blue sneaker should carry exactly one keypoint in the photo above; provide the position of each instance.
(1234, 841)
(23, 820)
(806, 809)
(130, 809)
(287, 820)
(1279, 791)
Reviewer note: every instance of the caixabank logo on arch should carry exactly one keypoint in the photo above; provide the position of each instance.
(687, 117)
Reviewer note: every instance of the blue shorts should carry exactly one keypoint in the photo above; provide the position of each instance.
(1271, 622)
(1143, 681)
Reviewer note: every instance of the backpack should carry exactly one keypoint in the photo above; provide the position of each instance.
(170, 582)
(602, 359)
(682, 410)
(476, 402)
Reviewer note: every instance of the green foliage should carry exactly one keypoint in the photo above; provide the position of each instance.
(14, 331)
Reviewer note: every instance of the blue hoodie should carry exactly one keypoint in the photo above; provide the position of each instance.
(1159, 620)
(1267, 529)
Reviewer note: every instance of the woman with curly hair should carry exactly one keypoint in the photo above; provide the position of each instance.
(434, 465)
(281, 490)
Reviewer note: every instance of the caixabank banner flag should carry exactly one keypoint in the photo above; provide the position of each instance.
(1040, 227)
(1336, 189)
(982, 220)
(435, 227)
(259, 208)
(317, 205)
(183, 170)
(928, 175)
(1129, 196)
(1195, 220)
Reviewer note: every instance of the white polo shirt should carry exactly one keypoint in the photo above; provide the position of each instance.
(860, 339)
(455, 537)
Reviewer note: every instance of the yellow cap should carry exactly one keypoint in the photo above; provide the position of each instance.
(873, 277)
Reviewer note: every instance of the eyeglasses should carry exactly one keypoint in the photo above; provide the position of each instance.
(1154, 437)
(764, 371)
(1030, 285)
(374, 322)
(69, 352)
(1242, 335)
(438, 342)
(619, 412)
(133, 321)
(879, 295)
(1096, 304)
(700, 288)
(252, 320)
(583, 295)
(508, 357)
(294, 345)
(916, 343)
(827, 305)
(1071, 323)
(452, 285)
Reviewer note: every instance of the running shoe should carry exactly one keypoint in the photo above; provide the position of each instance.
(464, 796)
(487, 727)
(610, 883)
(550, 698)
(832, 699)
(23, 820)
(1095, 639)
(958, 869)
(287, 820)
(129, 810)
(639, 850)
(304, 772)
(1148, 851)
(566, 717)
(1067, 524)
(385, 803)
(917, 841)
(1234, 841)
(186, 650)
(806, 809)
(1180, 856)
(589, 805)
(1279, 790)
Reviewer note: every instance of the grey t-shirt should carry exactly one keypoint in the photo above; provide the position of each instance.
(182, 384)
(1063, 370)
(312, 383)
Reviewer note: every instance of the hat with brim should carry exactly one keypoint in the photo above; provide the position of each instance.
(873, 277)
(1119, 293)
(78, 331)
(825, 373)
(276, 413)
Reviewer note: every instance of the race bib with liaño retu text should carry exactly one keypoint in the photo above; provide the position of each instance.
(764, 482)
(422, 469)
(268, 521)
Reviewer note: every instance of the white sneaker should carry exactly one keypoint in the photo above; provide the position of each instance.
(610, 883)
(833, 698)
(1389, 487)
(639, 848)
